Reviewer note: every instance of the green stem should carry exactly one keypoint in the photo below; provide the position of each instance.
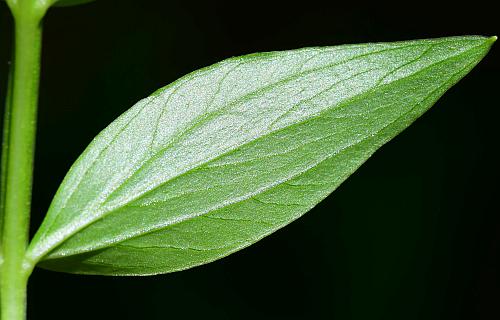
(17, 159)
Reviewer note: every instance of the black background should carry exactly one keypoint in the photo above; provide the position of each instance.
(413, 234)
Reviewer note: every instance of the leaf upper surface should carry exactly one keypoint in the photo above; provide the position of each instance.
(228, 154)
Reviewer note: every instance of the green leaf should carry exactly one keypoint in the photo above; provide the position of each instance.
(229, 154)
(62, 3)
(67, 3)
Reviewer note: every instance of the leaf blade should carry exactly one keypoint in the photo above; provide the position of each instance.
(68, 3)
(267, 122)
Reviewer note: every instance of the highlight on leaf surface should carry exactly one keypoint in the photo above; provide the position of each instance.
(230, 153)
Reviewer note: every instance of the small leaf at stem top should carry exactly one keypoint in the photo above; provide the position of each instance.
(67, 3)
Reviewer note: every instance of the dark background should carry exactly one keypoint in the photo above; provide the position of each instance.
(413, 234)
